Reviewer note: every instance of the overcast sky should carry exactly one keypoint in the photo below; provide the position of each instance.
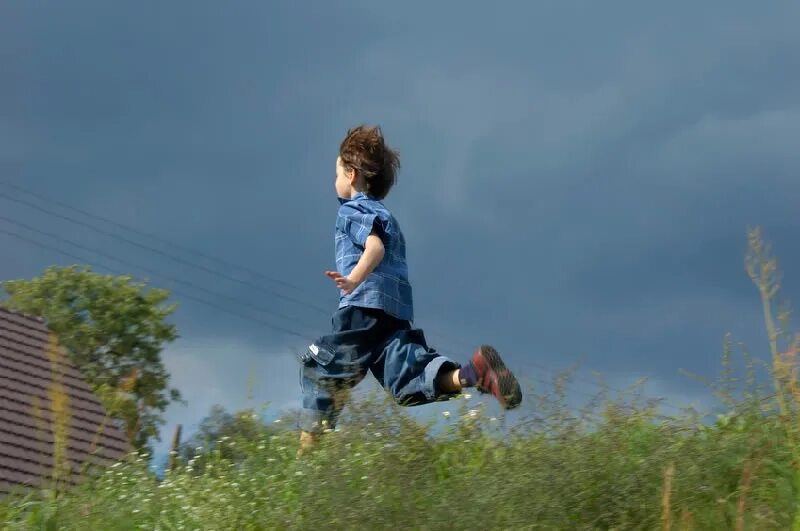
(577, 177)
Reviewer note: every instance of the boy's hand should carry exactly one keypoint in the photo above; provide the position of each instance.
(342, 282)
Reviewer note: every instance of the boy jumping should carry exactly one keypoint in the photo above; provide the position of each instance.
(372, 327)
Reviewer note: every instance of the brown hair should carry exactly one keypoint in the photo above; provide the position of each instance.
(363, 150)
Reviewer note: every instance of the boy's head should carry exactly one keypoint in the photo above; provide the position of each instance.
(365, 163)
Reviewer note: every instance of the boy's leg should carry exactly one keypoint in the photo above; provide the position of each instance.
(331, 367)
(412, 372)
(416, 374)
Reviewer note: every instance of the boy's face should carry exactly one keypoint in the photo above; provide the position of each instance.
(345, 180)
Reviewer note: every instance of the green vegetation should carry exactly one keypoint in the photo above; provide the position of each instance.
(616, 464)
(113, 329)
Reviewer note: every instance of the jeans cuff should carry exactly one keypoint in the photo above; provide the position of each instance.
(432, 371)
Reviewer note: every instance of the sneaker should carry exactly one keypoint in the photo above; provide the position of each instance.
(495, 378)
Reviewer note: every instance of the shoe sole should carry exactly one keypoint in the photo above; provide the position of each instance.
(509, 386)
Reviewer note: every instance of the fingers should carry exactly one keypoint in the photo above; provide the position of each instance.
(342, 282)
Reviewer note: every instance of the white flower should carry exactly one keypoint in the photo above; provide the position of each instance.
(467, 396)
(446, 413)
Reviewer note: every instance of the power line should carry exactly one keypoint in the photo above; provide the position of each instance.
(286, 330)
(161, 253)
(203, 268)
(149, 271)
(131, 242)
(152, 236)
(182, 294)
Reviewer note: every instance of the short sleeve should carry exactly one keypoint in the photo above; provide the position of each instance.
(358, 223)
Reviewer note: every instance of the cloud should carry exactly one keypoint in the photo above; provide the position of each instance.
(576, 178)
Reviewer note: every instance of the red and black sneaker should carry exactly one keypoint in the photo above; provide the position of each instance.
(493, 377)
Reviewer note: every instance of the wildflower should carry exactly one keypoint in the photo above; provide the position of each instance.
(446, 413)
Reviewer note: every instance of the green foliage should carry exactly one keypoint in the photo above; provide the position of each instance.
(229, 436)
(113, 330)
(614, 464)
(382, 469)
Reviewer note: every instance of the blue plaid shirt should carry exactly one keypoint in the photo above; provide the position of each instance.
(387, 287)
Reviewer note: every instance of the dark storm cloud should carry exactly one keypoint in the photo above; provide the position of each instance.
(577, 177)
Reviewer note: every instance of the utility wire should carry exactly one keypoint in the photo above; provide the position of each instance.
(39, 244)
(211, 271)
(155, 237)
(190, 285)
(159, 252)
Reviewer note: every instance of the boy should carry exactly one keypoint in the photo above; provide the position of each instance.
(372, 328)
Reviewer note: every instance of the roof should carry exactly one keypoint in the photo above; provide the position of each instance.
(26, 439)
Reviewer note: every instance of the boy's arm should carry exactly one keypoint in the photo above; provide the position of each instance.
(370, 258)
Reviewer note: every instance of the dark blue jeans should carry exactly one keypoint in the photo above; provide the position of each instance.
(366, 339)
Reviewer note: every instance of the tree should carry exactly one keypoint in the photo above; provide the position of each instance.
(113, 330)
(245, 428)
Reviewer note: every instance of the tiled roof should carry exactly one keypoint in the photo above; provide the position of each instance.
(26, 440)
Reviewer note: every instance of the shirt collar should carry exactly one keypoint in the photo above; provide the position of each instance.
(359, 195)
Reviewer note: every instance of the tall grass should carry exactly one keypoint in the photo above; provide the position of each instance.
(617, 463)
